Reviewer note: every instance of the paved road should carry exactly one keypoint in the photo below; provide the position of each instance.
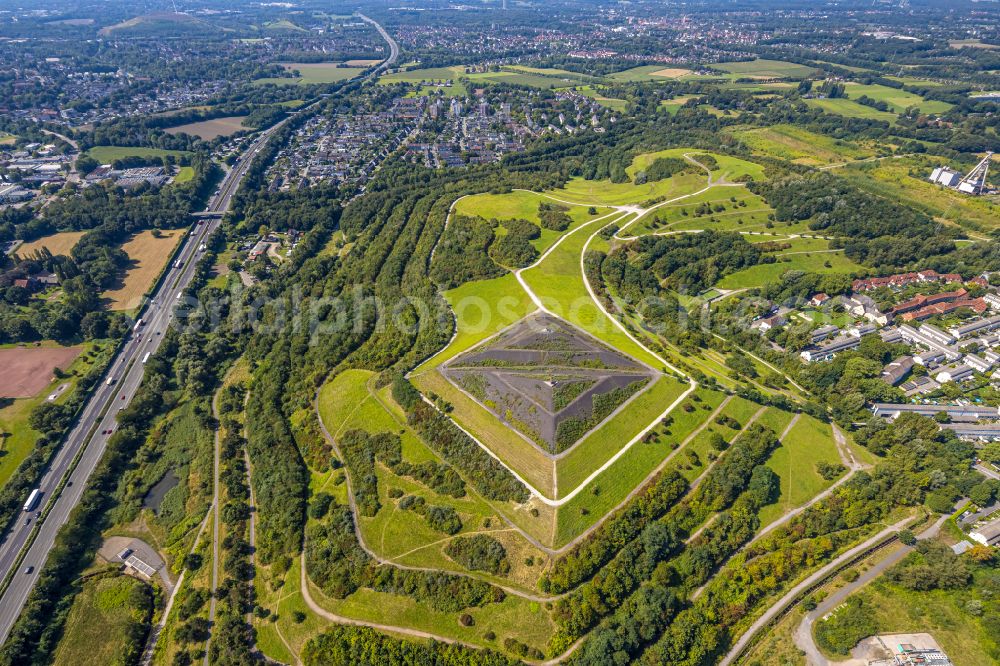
(779, 606)
(803, 633)
(89, 438)
(115, 391)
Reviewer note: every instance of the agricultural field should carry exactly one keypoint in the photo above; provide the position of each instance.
(104, 622)
(211, 129)
(851, 109)
(58, 243)
(148, 255)
(898, 100)
(800, 146)
(17, 438)
(313, 72)
(766, 69)
(108, 154)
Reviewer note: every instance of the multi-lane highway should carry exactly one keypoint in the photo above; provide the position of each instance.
(87, 441)
(98, 419)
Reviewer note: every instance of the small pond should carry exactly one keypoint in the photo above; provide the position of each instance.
(156, 494)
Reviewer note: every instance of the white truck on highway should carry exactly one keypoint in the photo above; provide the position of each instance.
(33, 498)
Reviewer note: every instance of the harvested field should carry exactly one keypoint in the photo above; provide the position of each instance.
(28, 370)
(670, 72)
(148, 254)
(60, 243)
(362, 62)
(210, 129)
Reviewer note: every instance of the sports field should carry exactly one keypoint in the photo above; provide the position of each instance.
(210, 129)
(17, 439)
(27, 370)
(149, 255)
(108, 154)
(58, 243)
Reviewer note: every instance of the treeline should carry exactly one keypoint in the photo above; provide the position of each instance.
(585, 559)
(340, 566)
(490, 479)
(874, 230)
(363, 645)
(738, 474)
(110, 216)
(362, 449)
(688, 263)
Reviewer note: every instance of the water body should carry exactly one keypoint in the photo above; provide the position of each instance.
(156, 494)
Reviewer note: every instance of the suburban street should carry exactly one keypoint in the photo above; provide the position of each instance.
(88, 439)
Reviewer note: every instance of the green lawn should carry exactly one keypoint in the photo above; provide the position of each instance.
(766, 69)
(761, 274)
(108, 154)
(898, 100)
(808, 442)
(345, 403)
(100, 621)
(185, 175)
(483, 308)
(7, 139)
(598, 96)
(851, 109)
(799, 145)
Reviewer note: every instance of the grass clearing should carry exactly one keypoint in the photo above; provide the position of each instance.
(761, 274)
(766, 69)
(851, 109)
(312, 72)
(892, 179)
(799, 145)
(210, 129)
(185, 175)
(148, 255)
(898, 100)
(808, 443)
(104, 614)
(346, 403)
(58, 243)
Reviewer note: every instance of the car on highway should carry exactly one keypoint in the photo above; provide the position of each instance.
(28, 569)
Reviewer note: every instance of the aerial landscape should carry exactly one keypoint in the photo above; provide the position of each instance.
(500, 332)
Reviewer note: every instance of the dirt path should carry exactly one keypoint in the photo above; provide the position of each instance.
(217, 445)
